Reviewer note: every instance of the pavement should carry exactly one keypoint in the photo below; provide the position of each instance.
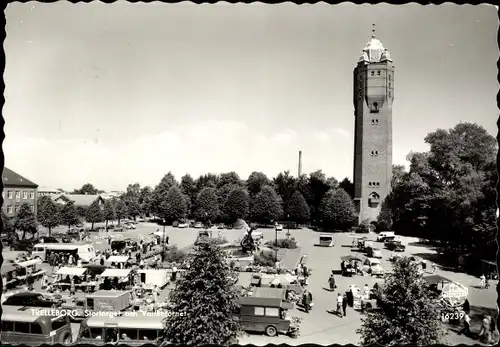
(320, 326)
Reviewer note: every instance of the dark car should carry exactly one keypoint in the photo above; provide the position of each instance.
(49, 239)
(28, 299)
(395, 246)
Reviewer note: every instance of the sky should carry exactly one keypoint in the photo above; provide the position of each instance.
(114, 94)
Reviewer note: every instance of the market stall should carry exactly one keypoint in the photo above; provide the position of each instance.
(9, 275)
(349, 264)
(116, 279)
(67, 274)
(152, 277)
(119, 261)
(28, 272)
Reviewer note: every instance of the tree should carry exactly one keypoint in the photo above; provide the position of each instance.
(222, 196)
(337, 210)
(207, 205)
(121, 210)
(298, 210)
(81, 211)
(285, 186)
(229, 178)
(133, 206)
(161, 190)
(398, 172)
(266, 206)
(145, 200)
(384, 219)
(408, 311)
(255, 182)
(25, 220)
(205, 298)
(209, 180)
(448, 192)
(319, 186)
(8, 226)
(94, 214)
(108, 212)
(348, 186)
(48, 214)
(188, 188)
(87, 189)
(68, 214)
(174, 206)
(237, 205)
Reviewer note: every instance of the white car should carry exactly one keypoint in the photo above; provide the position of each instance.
(183, 225)
(129, 226)
(373, 267)
(279, 227)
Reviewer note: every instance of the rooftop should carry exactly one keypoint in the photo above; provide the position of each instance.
(374, 51)
(11, 178)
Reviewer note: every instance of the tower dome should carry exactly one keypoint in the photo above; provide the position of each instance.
(374, 51)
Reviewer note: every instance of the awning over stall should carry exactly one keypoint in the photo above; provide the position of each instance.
(71, 271)
(29, 262)
(118, 258)
(115, 273)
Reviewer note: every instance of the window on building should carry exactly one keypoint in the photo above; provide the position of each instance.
(9, 194)
(369, 184)
(389, 94)
(378, 73)
(16, 208)
(9, 209)
(389, 84)
(18, 195)
(25, 195)
(373, 73)
(390, 77)
(32, 195)
(378, 184)
(32, 207)
(259, 311)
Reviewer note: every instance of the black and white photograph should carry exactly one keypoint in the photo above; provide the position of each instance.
(250, 174)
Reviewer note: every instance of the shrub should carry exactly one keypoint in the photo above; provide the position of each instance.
(283, 243)
(175, 255)
(219, 240)
(265, 258)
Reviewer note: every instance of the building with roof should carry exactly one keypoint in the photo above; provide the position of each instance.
(373, 97)
(47, 191)
(83, 200)
(17, 190)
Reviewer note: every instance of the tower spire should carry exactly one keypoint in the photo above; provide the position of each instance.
(373, 31)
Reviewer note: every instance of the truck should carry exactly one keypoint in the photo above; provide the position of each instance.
(102, 300)
(286, 281)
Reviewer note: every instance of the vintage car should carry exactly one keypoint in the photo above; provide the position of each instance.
(373, 252)
(372, 266)
(395, 245)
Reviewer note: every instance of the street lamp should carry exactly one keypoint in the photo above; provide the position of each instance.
(164, 240)
(288, 225)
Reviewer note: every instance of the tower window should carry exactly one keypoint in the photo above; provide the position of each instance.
(374, 121)
(378, 184)
(370, 184)
(378, 72)
(390, 77)
(389, 94)
(373, 73)
(389, 84)
(374, 153)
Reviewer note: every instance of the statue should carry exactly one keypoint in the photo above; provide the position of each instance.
(248, 243)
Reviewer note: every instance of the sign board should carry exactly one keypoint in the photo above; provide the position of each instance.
(454, 294)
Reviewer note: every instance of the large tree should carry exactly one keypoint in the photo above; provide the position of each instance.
(348, 186)
(161, 190)
(204, 297)
(121, 210)
(267, 206)
(207, 205)
(408, 312)
(337, 210)
(174, 207)
(188, 188)
(298, 210)
(209, 180)
(285, 185)
(255, 182)
(48, 214)
(108, 212)
(229, 178)
(8, 225)
(94, 214)
(87, 189)
(146, 200)
(448, 192)
(133, 206)
(319, 186)
(68, 214)
(237, 205)
(25, 220)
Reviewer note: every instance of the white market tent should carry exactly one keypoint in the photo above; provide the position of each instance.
(71, 271)
(115, 273)
(118, 259)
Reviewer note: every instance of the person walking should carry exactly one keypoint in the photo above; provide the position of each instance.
(466, 329)
(340, 300)
(466, 306)
(306, 300)
(482, 281)
(344, 305)
(331, 281)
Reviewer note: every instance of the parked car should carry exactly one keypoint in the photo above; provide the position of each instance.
(198, 225)
(111, 226)
(175, 224)
(183, 225)
(395, 246)
(372, 266)
(140, 220)
(373, 252)
(221, 226)
(28, 299)
(118, 229)
(129, 226)
(279, 227)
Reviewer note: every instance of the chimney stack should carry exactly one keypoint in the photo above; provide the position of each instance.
(300, 164)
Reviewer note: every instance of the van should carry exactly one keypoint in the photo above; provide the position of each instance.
(264, 315)
(21, 325)
(85, 252)
(385, 235)
(326, 240)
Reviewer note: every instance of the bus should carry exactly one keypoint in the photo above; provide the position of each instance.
(85, 252)
(131, 329)
(22, 325)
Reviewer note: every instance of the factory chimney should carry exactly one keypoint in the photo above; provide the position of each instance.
(300, 164)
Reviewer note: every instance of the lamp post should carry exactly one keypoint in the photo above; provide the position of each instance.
(288, 225)
(164, 240)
